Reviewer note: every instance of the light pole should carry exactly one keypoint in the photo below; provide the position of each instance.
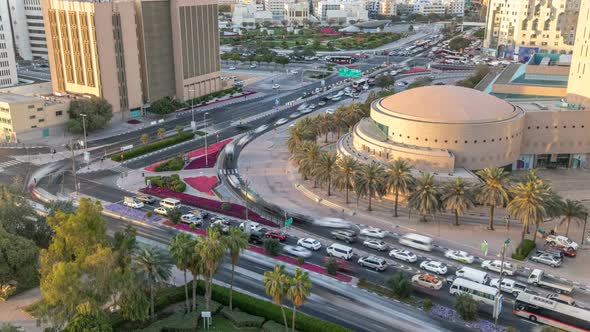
(205, 127)
(193, 123)
(499, 297)
(584, 231)
(85, 143)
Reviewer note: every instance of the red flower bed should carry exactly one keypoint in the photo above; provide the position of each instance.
(210, 149)
(152, 167)
(203, 161)
(234, 210)
(204, 184)
(185, 227)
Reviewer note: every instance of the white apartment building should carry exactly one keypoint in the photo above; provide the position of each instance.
(439, 7)
(341, 11)
(455, 7)
(249, 15)
(27, 27)
(296, 12)
(8, 75)
(276, 7)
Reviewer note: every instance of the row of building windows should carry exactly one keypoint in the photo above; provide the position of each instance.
(554, 127)
(4, 120)
(465, 141)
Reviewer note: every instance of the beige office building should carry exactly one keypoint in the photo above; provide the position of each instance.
(578, 88)
(133, 52)
(548, 26)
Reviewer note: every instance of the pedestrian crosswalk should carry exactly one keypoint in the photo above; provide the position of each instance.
(229, 171)
(9, 163)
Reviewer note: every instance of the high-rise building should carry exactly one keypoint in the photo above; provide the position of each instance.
(133, 52)
(27, 28)
(546, 27)
(7, 60)
(277, 7)
(578, 88)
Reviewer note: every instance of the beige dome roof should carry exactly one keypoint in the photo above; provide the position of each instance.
(446, 103)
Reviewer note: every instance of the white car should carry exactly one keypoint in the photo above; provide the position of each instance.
(331, 222)
(459, 256)
(297, 251)
(260, 129)
(276, 86)
(508, 286)
(281, 121)
(376, 244)
(161, 211)
(252, 66)
(222, 224)
(403, 255)
(254, 226)
(302, 107)
(330, 111)
(190, 218)
(294, 115)
(294, 72)
(309, 243)
(232, 68)
(307, 110)
(562, 241)
(435, 267)
(496, 265)
(133, 204)
(374, 232)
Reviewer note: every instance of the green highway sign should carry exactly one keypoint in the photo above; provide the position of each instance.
(288, 221)
(347, 72)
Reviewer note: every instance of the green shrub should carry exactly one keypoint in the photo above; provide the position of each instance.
(332, 266)
(242, 319)
(225, 206)
(427, 304)
(149, 214)
(272, 246)
(172, 182)
(272, 326)
(174, 164)
(400, 285)
(174, 215)
(300, 260)
(524, 249)
(466, 306)
(144, 149)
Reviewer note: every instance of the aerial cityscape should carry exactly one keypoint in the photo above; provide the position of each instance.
(294, 165)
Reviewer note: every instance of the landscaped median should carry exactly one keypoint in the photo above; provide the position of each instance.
(204, 184)
(147, 148)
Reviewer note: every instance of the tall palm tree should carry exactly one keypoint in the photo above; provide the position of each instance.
(369, 181)
(196, 268)
(144, 138)
(325, 169)
(493, 191)
(426, 196)
(211, 248)
(458, 197)
(398, 179)
(324, 125)
(338, 121)
(572, 210)
(528, 204)
(354, 113)
(296, 137)
(298, 291)
(344, 176)
(276, 285)
(235, 242)
(308, 157)
(161, 133)
(181, 248)
(153, 268)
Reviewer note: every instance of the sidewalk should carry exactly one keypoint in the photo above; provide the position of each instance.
(11, 311)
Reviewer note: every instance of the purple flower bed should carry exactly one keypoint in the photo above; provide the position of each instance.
(200, 161)
(132, 213)
(452, 315)
(235, 210)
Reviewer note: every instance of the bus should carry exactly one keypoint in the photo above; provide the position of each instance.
(478, 292)
(550, 312)
(359, 83)
(449, 52)
(340, 59)
(410, 48)
(455, 58)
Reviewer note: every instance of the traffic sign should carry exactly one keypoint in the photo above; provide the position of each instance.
(347, 72)
(484, 247)
(289, 222)
(277, 101)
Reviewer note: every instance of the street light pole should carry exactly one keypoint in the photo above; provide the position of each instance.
(85, 142)
(205, 127)
(499, 297)
(193, 123)
(584, 231)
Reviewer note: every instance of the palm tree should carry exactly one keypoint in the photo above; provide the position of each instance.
(161, 133)
(458, 196)
(235, 241)
(211, 248)
(276, 285)
(196, 268)
(324, 125)
(398, 179)
(528, 204)
(345, 170)
(426, 197)
(181, 248)
(154, 268)
(308, 156)
(298, 291)
(493, 191)
(354, 113)
(338, 121)
(144, 138)
(572, 210)
(295, 139)
(179, 129)
(325, 168)
(369, 181)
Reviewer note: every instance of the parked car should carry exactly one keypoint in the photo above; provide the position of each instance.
(161, 211)
(373, 232)
(557, 253)
(147, 199)
(460, 256)
(561, 241)
(276, 86)
(375, 244)
(373, 262)
(297, 251)
(232, 68)
(221, 224)
(256, 237)
(309, 243)
(132, 203)
(428, 281)
(321, 103)
(294, 115)
(403, 255)
(330, 111)
(254, 226)
(281, 121)
(508, 286)
(344, 235)
(565, 250)
(276, 234)
(434, 266)
(547, 259)
(252, 66)
(496, 266)
(190, 218)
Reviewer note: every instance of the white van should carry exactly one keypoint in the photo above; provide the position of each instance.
(474, 275)
(170, 203)
(416, 241)
(339, 251)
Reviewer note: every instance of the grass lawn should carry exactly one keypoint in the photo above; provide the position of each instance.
(221, 324)
(182, 321)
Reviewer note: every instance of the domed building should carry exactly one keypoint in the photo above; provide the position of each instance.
(444, 128)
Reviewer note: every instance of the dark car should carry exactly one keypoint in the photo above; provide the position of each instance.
(147, 199)
(282, 236)
(256, 237)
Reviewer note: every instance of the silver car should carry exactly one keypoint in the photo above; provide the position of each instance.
(376, 244)
(297, 251)
(547, 260)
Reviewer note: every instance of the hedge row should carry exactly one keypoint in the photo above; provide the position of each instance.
(174, 164)
(172, 182)
(524, 249)
(272, 326)
(144, 149)
(206, 98)
(242, 319)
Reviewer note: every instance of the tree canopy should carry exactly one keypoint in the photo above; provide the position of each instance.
(459, 43)
(164, 105)
(98, 113)
(18, 263)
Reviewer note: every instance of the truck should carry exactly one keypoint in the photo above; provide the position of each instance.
(538, 278)
(132, 202)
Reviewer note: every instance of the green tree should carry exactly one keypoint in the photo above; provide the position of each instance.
(235, 241)
(307, 156)
(89, 322)
(98, 113)
(162, 106)
(369, 181)
(466, 306)
(281, 60)
(153, 268)
(299, 289)
(572, 210)
(144, 138)
(345, 171)
(181, 248)
(325, 169)
(18, 263)
(179, 129)
(398, 179)
(426, 196)
(65, 206)
(174, 215)
(385, 81)
(124, 244)
(161, 133)
(459, 43)
(458, 197)
(411, 28)
(196, 268)
(276, 283)
(324, 125)
(296, 137)
(332, 266)
(8, 327)
(211, 248)
(400, 285)
(223, 8)
(493, 191)
(19, 218)
(271, 246)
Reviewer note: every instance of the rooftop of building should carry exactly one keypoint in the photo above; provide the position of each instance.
(546, 59)
(6, 97)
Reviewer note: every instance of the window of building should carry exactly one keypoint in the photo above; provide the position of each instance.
(59, 113)
(41, 120)
(39, 109)
(33, 126)
(31, 106)
(32, 116)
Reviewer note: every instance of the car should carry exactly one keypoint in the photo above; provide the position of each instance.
(190, 218)
(547, 259)
(403, 255)
(562, 299)
(373, 262)
(509, 286)
(147, 199)
(276, 234)
(336, 98)
(199, 213)
(496, 265)
(221, 224)
(557, 253)
(161, 211)
(366, 87)
(276, 86)
(252, 66)
(344, 235)
(232, 68)
(294, 115)
(330, 111)
(373, 232)
(566, 251)
(294, 72)
(401, 83)
(256, 237)
(561, 241)
(376, 244)
(297, 251)
(254, 226)
(459, 256)
(309, 243)
(311, 106)
(428, 281)
(434, 266)
(321, 103)
(307, 110)
(281, 121)
(132, 203)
